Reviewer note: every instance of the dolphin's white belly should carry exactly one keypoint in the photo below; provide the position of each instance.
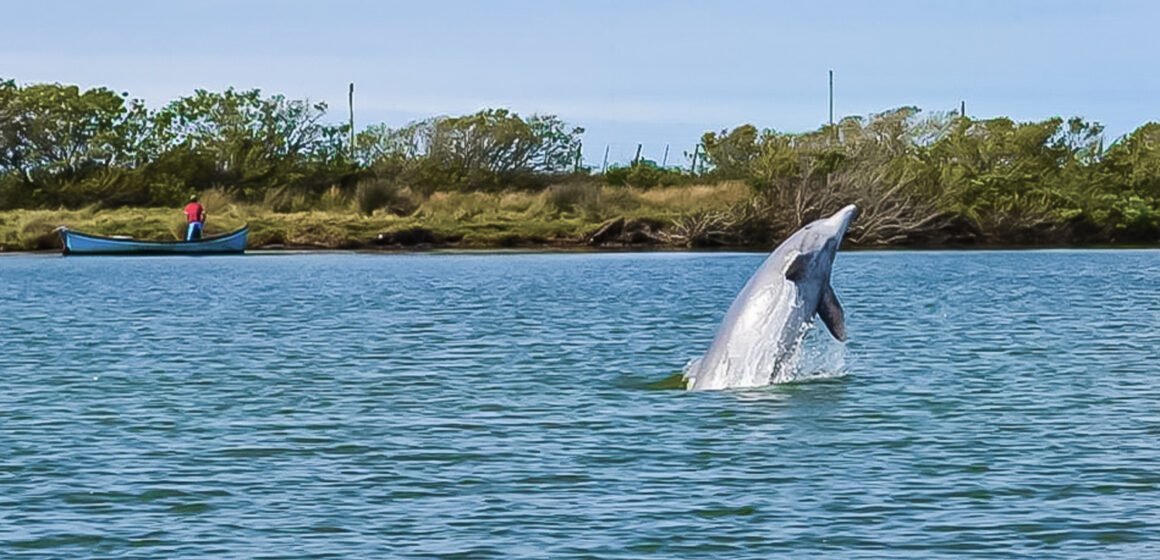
(759, 327)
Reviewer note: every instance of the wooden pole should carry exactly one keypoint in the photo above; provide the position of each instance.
(963, 109)
(696, 152)
(579, 156)
(636, 160)
(665, 160)
(350, 102)
(604, 166)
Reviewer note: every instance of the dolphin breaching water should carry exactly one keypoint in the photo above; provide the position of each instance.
(763, 329)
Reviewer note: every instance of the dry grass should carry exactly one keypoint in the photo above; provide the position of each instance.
(561, 214)
(695, 198)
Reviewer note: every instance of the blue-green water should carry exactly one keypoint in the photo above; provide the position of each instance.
(990, 404)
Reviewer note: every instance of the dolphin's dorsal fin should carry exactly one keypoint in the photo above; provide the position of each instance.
(797, 267)
(830, 310)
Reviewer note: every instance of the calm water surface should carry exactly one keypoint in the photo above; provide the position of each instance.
(990, 404)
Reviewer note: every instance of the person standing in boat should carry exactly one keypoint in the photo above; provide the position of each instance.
(195, 218)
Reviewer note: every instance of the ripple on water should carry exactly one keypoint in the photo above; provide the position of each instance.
(996, 404)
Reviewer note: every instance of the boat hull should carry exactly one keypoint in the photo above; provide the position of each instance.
(77, 243)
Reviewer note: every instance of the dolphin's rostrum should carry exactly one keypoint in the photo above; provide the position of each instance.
(765, 324)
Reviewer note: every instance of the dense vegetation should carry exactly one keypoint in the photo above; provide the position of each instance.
(921, 179)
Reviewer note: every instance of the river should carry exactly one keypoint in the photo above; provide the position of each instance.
(987, 404)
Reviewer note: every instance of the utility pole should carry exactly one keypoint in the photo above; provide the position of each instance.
(636, 160)
(604, 166)
(963, 109)
(665, 160)
(350, 102)
(696, 152)
(831, 98)
(833, 131)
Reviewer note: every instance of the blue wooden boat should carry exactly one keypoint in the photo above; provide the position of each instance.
(77, 243)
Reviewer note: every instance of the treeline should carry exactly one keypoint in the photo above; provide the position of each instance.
(946, 178)
(920, 178)
(61, 146)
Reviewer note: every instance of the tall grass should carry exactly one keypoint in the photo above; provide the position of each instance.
(562, 213)
(375, 194)
(583, 199)
(694, 198)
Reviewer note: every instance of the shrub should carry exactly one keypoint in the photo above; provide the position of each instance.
(644, 175)
(333, 200)
(616, 176)
(379, 194)
(284, 200)
(580, 198)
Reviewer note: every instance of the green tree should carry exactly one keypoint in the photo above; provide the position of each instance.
(1003, 176)
(60, 145)
(730, 153)
(1124, 199)
(491, 149)
(251, 143)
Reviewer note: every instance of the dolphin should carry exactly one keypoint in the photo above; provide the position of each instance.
(766, 322)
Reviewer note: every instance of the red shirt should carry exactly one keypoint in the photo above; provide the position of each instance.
(194, 212)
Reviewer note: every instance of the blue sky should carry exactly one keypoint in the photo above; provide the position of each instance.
(647, 71)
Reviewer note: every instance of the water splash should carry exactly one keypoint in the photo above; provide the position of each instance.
(811, 355)
(817, 355)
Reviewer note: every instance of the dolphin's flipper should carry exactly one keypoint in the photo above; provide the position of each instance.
(797, 268)
(830, 310)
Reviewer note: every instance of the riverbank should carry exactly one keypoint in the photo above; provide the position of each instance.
(562, 218)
